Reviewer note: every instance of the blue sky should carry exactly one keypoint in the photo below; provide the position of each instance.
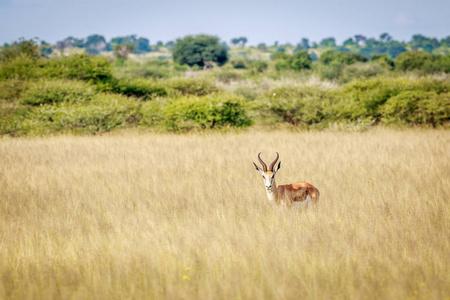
(260, 21)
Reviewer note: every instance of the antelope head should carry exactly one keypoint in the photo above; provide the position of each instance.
(268, 174)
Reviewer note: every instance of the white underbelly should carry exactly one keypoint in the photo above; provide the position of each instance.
(298, 204)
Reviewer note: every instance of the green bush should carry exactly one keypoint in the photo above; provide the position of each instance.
(439, 63)
(156, 69)
(93, 69)
(364, 98)
(211, 111)
(339, 57)
(412, 60)
(191, 86)
(78, 67)
(258, 66)
(152, 113)
(21, 67)
(330, 71)
(12, 89)
(238, 63)
(417, 107)
(198, 50)
(423, 62)
(383, 60)
(332, 63)
(141, 88)
(300, 106)
(279, 56)
(226, 76)
(101, 114)
(57, 91)
(300, 60)
(21, 48)
(361, 70)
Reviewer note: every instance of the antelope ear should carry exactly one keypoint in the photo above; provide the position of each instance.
(258, 169)
(277, 168)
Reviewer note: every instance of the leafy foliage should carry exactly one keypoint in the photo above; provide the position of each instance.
(300, 106)
(57, 91)
(298, 61)
(197, 50)
(206, 112)
(21, 48)
(344, 58)
(78, 67)
(142, 88)
(418, 107)
(156, 69)
(192, 86)
(137, 45)
(238, 63)
(121, 51)
(103, 113)
(412, 60)
(423, 62)
(258, 66)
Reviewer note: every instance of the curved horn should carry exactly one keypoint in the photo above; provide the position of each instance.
(262, 163)
(273, 163)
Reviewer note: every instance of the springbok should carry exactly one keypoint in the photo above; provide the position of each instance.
(297, 194)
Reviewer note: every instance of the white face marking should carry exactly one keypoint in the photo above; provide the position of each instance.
(268, 180)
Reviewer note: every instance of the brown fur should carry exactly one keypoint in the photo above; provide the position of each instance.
(298, 191)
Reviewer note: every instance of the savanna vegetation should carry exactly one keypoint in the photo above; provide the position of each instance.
(80, 93)
(146, 214)
(157, 216)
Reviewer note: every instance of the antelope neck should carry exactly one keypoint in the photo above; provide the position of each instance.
(272, 194)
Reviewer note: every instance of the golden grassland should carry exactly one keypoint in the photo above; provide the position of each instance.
(129, 216)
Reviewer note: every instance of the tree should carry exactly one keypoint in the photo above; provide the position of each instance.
(304, 44)
(70, 42)
(46, 49)
(95, 44)
(279, 56)
(395, 50)
(225, 46)
(197, 50)
(383, 59)
(446, 41)
(385, 37)
(139, 44)
(412, 60)
(122, 51)
(426, 44)
(300, 60)
(341, 58)
(22, 47)
(142, 45)
(235, 41)
(328, 42)
(94, 40)
(243, 40)
(360, 39)
(262, 46)
(349, 42)
(240, 40)
(170, 44)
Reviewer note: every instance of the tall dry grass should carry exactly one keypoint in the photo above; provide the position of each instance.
(186, 217)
